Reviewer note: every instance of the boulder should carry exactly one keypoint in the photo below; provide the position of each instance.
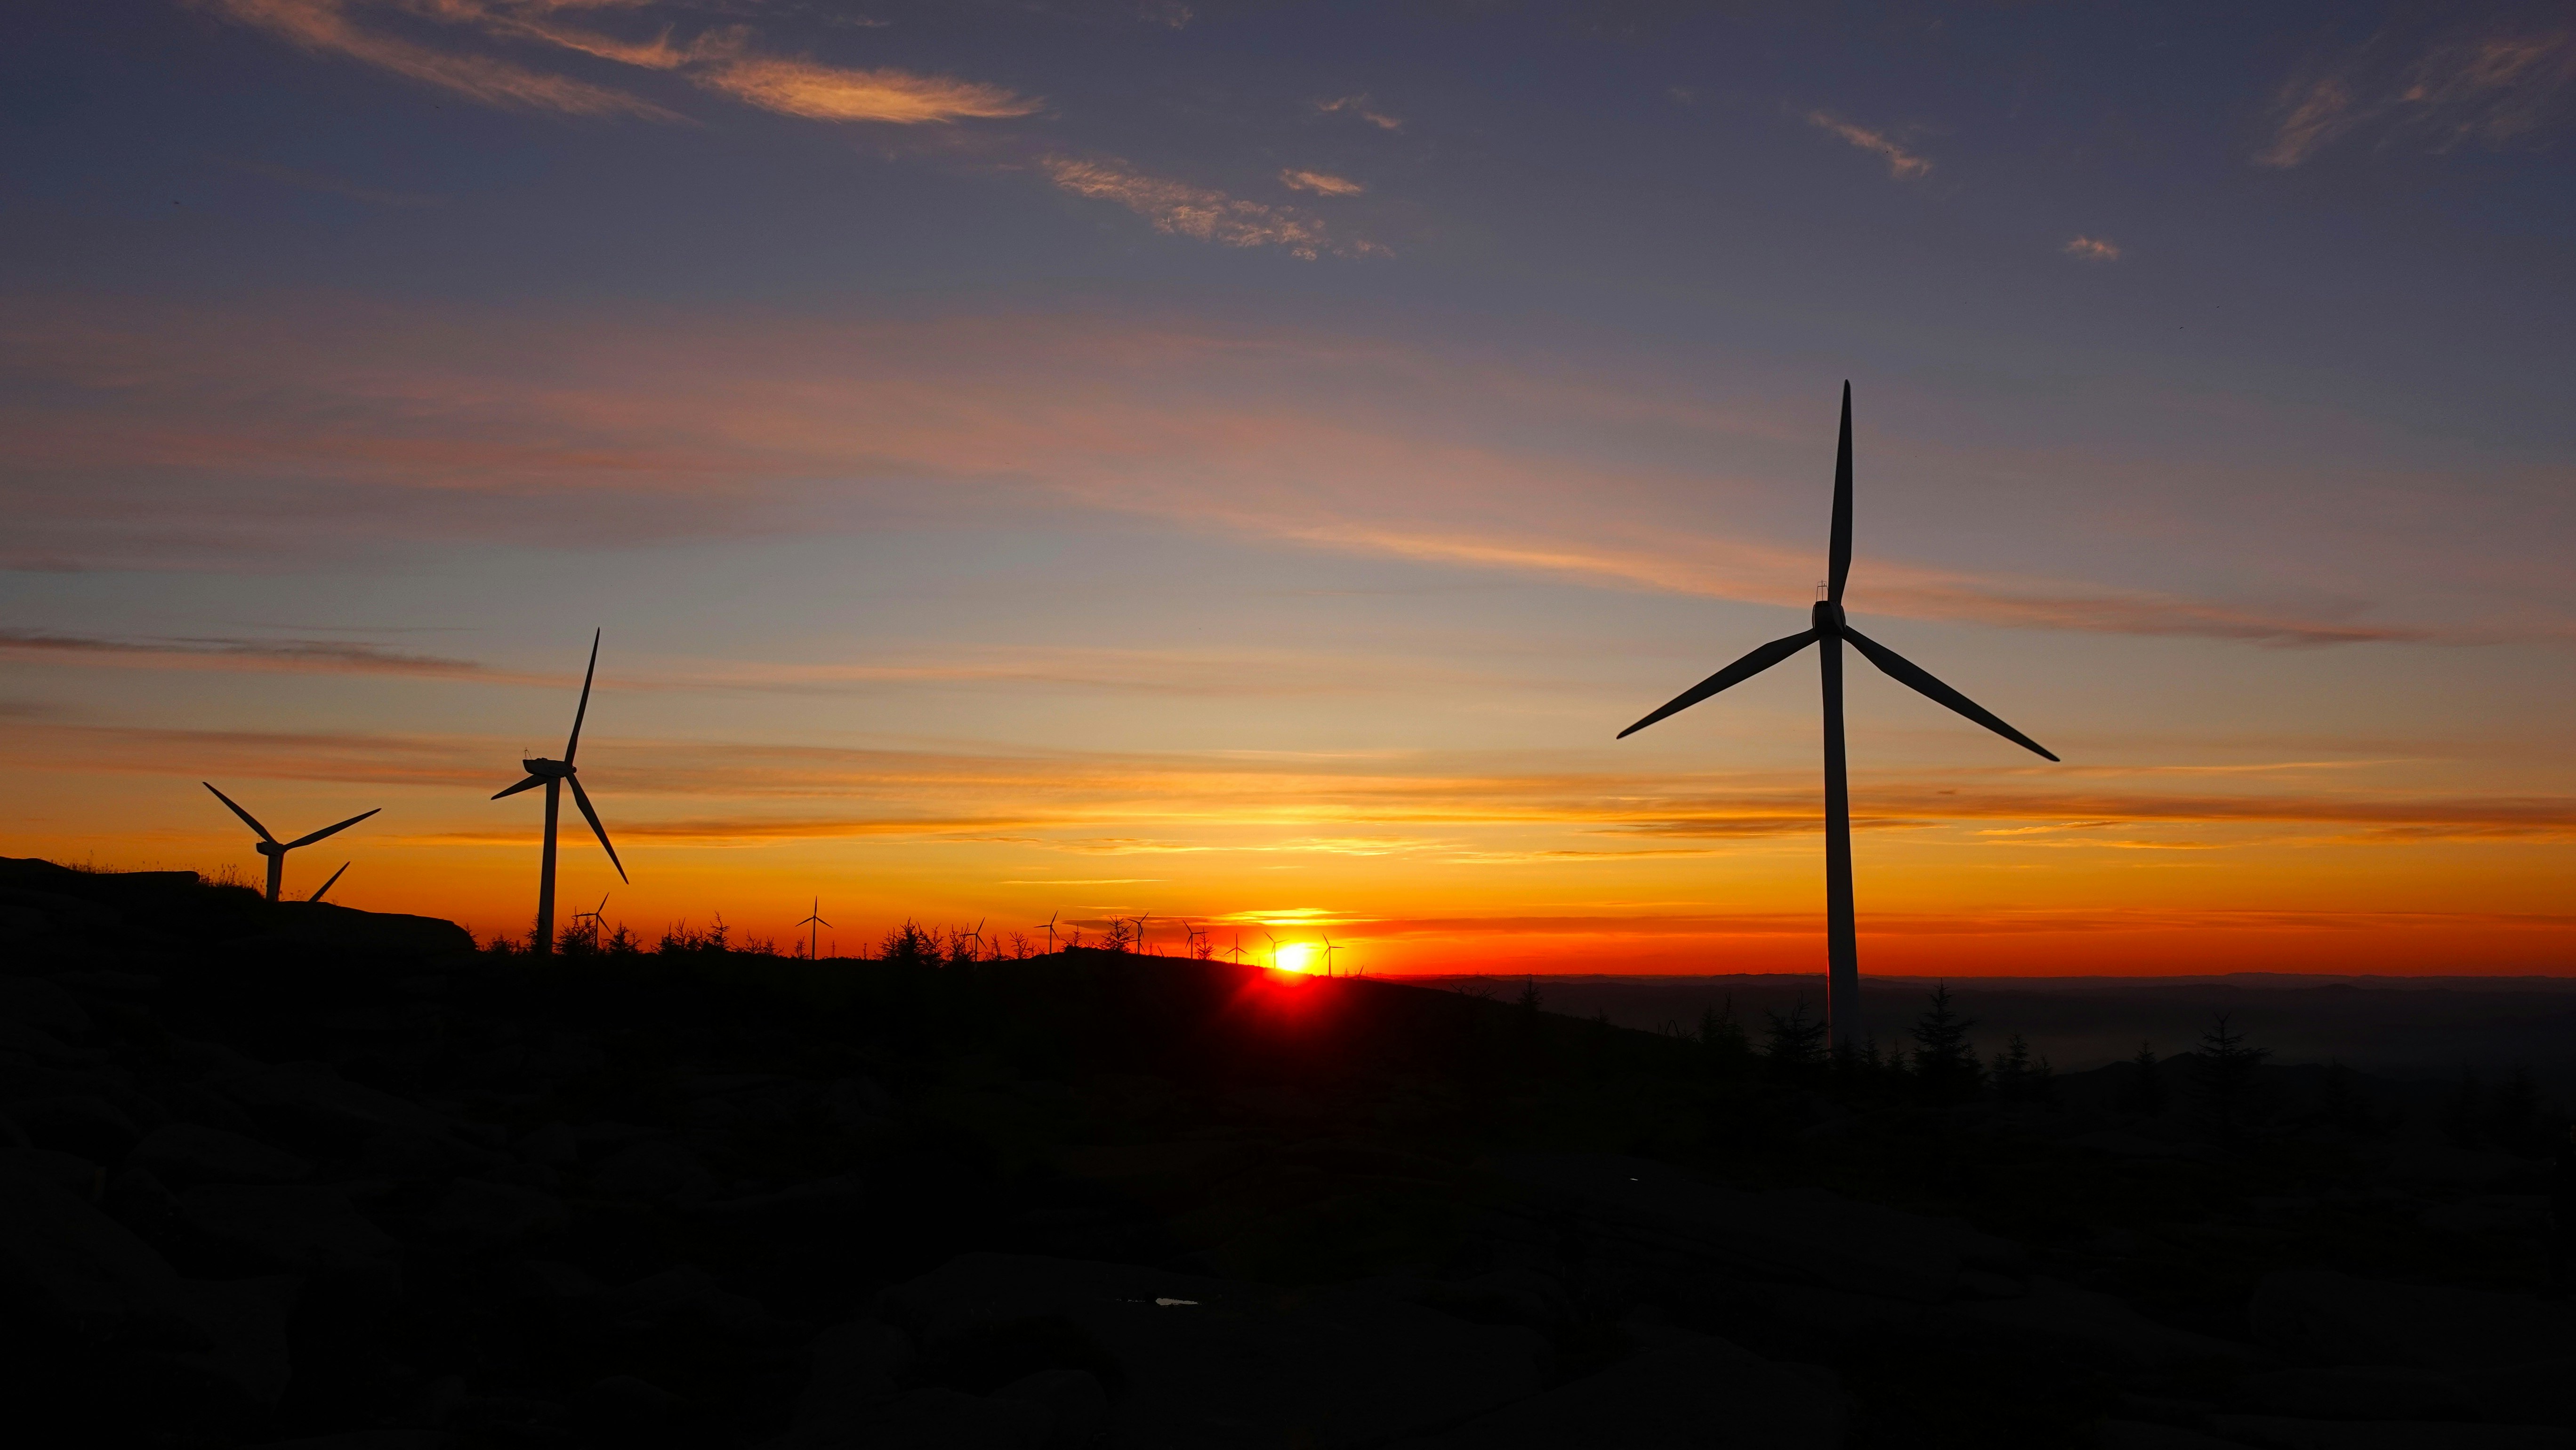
(185, 1153)
(82, 1123)
(856, 1367)
(1665, 1229)
(244, 1322)
(654, 1169)
(480, 1215)
(309, 926)
(2058, 1320)
(2273, 1432)
(72, 1270)
(1192, 1360)
(1690, 1391)
(40, 1004)
(314, 1230)
(2382, 1392)
(2321, 1317)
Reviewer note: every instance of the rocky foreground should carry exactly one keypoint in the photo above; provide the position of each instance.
(298, 1174)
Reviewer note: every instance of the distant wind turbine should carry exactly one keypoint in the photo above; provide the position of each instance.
(1328, 954)
(334, 881)
(592, 916)
(1236, 951)
(275, 851)
(1050, 931)
(554, 775)
(814, 925)
(1274, 950)
(1842, 946)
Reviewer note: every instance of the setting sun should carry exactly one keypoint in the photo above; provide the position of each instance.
(1297, 957)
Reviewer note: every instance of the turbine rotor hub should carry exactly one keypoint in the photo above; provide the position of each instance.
(554, 769)
(1829, 619)
(268, 848)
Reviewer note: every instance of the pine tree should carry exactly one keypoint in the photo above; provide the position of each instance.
(1794, 1047)
(2144, 1092)
(1944, 1063)
(2013, 1073)
(1529, 999)
(1722, 1038)
(2228, 1086)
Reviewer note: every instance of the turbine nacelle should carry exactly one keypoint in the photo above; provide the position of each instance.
(1828, 619)
(542, 769)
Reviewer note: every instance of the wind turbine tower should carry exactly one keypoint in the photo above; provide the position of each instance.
(275, 850)
(814, 926)
(1832, 630)
(554, 775)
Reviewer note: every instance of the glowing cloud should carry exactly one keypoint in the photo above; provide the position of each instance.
(1359, 106)
(1901, 163)
(322, 27)
(1202, 212)
(827, 93)
(1320, 183)
(2094, 249)
(2488, 88)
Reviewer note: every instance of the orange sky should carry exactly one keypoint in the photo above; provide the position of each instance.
(1088, 468)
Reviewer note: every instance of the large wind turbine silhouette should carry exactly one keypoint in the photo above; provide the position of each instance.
(1842, 948)
(275, 850)
(554, 775)
(815, 925)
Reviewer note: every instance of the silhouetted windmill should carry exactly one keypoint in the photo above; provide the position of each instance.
(1050, 931)
(554, 775)
(814, 925)
(1328, 954)
(334, 881)
(1842, 947)
(1274, 951)
(275, 851)
(1140, 932)
(1236, 951)
(591, 916)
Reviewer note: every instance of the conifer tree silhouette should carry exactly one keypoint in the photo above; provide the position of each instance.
(1944, 1064)
(2144, 1092)
(1722, 1038)
(1794, 1047)
(2228, 1088)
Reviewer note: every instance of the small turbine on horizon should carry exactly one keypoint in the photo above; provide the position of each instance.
(554, 775)
(814, 925)
(276, 850)
(1842, 946)
(1050, 931)
(1329, 949)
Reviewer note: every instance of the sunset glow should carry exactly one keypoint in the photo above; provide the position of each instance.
(1246, 468)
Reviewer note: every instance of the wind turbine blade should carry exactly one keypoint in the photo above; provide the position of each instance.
(531, 783)
(574, 744)
(1744, 669)
(581, 798)
(247, 818)
(334, 881)
(1906, 672)
(328, 831)
(1841, 547)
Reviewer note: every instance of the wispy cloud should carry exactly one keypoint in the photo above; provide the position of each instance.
(325, 656)
(829, 93)
(1202, 212)
(152, 438)
(1901, 163)
(1319, 182)
(719, 59)
(1359, 106)
(324, 28)
(2489, 87)
(2094, 249)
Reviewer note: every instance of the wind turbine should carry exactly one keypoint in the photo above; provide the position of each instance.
(1274, 949)
(334, 881)
(1050, 931)
(554, 775)
(981, 945)
(1842, 946)
(1236, 951)
(592, 916)
(1140, 932)
(270, 847)
(814, 926)
(1328, 953)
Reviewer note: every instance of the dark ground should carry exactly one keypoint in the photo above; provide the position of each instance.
(296, 1171)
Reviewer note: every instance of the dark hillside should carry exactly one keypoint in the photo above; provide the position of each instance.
(278, 1172)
